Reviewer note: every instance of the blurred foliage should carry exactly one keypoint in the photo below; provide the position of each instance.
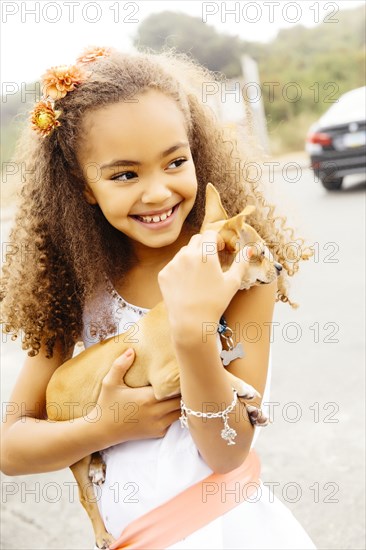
(218, 52)
(312, 58)
(302, 71)
(15, 108)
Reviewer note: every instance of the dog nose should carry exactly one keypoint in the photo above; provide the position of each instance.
(278, 267)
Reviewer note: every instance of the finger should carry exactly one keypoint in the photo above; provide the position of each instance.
(211, 236)
(220, 242)
(119, 368)
(209, 245)
(168, 420)
(171, 417)
(173, 404)
(169, 405)
(239, 267)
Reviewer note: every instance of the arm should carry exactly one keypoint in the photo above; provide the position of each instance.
(196, 291)
(204, 381)
(31, 444)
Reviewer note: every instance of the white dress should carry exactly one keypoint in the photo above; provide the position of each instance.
(144, 474)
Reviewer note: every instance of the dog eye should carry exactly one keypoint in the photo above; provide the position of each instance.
(263, 253)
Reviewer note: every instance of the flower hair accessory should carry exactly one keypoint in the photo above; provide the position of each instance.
(44, 118)
(92, 54)
(56, 83)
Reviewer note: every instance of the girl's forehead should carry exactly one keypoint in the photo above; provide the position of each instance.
(149, 121)
(151, 104)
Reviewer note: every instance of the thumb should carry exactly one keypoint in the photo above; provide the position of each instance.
(119, 368)
(240, 265)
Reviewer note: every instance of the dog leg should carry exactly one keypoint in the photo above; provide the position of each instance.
(89, 501)
(256, 416)
(165, 380)
(243, 389)
(246, 391)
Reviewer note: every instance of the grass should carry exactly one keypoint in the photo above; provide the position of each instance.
(289, 136)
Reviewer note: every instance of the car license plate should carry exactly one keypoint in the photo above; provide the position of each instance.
(356, 139)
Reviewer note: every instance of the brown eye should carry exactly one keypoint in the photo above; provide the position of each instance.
(178, 162)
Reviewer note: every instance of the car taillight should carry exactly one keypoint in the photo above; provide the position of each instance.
(320, 138)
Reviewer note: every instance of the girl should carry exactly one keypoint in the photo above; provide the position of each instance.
(118, 156)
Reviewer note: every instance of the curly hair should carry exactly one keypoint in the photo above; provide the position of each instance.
(63, 247)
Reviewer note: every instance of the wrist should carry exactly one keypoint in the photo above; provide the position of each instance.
(99, 430)
(193, 333)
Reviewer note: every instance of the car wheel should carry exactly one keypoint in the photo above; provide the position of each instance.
(332, 184)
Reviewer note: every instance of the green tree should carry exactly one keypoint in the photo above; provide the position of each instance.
(217, 52)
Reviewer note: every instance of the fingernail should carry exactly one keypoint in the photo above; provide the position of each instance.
(128, 352)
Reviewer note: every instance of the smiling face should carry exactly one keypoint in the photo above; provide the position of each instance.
(138, 166)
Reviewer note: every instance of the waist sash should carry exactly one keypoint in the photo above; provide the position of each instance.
(192, 509)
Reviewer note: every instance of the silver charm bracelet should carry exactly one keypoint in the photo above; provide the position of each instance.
(228, 434)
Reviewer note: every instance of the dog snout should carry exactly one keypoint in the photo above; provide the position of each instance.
(278, 267)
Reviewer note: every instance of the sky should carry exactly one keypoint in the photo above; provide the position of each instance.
(36, 35)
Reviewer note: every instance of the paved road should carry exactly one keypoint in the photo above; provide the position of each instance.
(313, 453)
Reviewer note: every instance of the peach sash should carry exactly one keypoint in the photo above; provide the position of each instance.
(192, 509)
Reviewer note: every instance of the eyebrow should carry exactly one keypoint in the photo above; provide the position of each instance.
(124, 162)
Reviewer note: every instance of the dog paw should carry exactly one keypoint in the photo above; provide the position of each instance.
(104, 540)
(246, 391)
(256, 416)
(97, 471)
(97, 475)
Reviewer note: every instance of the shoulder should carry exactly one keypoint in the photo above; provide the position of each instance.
(256, 303)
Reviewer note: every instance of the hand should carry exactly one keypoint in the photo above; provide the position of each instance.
(193, 285)
(131, 413)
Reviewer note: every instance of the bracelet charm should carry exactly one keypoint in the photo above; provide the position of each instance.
(233, 352)
(227, 433)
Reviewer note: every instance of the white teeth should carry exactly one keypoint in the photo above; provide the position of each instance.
(155, 219)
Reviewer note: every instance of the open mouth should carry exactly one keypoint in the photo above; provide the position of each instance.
(159, 220)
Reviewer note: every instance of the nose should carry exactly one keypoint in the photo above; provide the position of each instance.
(278, 267)
(156, 192)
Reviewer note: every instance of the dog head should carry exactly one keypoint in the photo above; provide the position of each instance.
(238, 236)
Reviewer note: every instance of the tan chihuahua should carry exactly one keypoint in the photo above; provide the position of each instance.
(79, 380)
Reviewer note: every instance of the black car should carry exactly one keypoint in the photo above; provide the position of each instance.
(336, 143)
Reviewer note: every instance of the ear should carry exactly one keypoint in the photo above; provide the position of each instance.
(236, 230)
(89, 195)
(230, 232)
(214, 211)
(237, 223)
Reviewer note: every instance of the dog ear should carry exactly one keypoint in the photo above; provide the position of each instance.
(249, 209)
(236, 223)
(214, 211)
(231, 230)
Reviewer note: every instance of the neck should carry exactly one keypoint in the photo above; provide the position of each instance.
(156, 258)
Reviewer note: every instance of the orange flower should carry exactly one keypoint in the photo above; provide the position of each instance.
(57, 81)
(92, 54)
(44, 118)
